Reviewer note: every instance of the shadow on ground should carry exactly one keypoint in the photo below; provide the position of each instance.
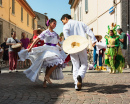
(26, 92)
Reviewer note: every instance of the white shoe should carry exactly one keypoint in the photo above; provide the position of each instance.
(15, 70)
(76, 87)
(41, 71)
(10, 71)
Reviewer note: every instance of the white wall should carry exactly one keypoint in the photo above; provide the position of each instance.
(98, 16)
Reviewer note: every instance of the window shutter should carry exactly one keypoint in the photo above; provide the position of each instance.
(86, 5)
(32, 23)
(80, 13)
(13, 6)
(21, 13)
(27, 19)
(0, 2)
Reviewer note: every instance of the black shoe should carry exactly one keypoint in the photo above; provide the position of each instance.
(77, 89)
(16, 70)
(79, 84)
(10, 71)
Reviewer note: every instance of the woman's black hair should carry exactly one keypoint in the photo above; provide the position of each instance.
(50, 21)
(65, 15)
(112, 31)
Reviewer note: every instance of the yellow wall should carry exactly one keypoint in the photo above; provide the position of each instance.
(4, 10)
(16, 18)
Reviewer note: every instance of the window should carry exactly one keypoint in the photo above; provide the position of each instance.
(0, 2)
(27, 19)
(21, 13)
(80, 13)
(34, 26)
(32, 23)
(86, 6)
(74, 16)
(12, 30)
(13, 6)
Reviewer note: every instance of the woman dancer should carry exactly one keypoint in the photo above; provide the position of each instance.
(47, 56)
(113, 55)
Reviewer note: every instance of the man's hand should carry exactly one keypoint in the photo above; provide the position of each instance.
(94, 44)
(121, 40)
(13, 43)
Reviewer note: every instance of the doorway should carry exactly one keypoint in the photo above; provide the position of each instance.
(1, 31)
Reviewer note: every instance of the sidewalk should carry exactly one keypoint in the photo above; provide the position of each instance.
(98, 88)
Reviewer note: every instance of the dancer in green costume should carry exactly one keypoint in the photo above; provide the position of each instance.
(113, 54)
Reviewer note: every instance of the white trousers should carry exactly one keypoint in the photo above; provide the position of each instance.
(79, 61)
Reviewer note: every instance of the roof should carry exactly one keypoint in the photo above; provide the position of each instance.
(24, 4)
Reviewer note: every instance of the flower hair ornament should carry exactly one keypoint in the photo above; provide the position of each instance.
(113, 27)
(47, 23)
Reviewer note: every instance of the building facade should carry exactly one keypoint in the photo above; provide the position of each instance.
(42, 19)
(16, 15)
(98, 14)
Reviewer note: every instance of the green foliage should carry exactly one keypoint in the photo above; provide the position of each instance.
(61, 34)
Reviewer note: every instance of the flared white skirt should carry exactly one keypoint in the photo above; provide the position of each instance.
(43, 57)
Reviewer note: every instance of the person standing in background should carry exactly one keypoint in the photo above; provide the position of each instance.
(5, 53)
(36, 34)
(123, 41)
(25, 42)
(12, 55)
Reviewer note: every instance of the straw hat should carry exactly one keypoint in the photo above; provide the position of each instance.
(100, 37)
(35, 31)
(74, 44)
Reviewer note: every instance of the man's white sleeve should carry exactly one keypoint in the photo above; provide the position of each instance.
(66, 31)
(89, 32)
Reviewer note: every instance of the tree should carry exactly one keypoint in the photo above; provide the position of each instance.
(61, 34)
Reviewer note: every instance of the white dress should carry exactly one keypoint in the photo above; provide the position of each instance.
(45, 56)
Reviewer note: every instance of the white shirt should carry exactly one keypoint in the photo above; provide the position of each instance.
(100, 45)
(77, 28)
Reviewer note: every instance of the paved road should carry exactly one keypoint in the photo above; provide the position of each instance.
(98, 88)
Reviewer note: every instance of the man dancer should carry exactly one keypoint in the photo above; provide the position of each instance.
(79, 60)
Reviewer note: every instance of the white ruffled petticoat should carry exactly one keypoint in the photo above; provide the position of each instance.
(43, 57)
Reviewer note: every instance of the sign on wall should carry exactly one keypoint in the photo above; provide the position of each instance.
(111, 10)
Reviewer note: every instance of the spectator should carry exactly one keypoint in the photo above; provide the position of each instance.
(36, 33)
(5, 53)
(123, 41)
(31, 41)
(12, 55)
(25, 42)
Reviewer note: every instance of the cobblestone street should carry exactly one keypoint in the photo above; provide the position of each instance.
(98, 88)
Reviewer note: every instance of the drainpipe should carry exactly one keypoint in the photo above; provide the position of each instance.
(115, 6)
(128, 27)
(9, 17)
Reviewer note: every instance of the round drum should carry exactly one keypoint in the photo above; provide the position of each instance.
(16, 47)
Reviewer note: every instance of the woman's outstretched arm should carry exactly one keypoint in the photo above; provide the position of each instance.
(34, 42)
